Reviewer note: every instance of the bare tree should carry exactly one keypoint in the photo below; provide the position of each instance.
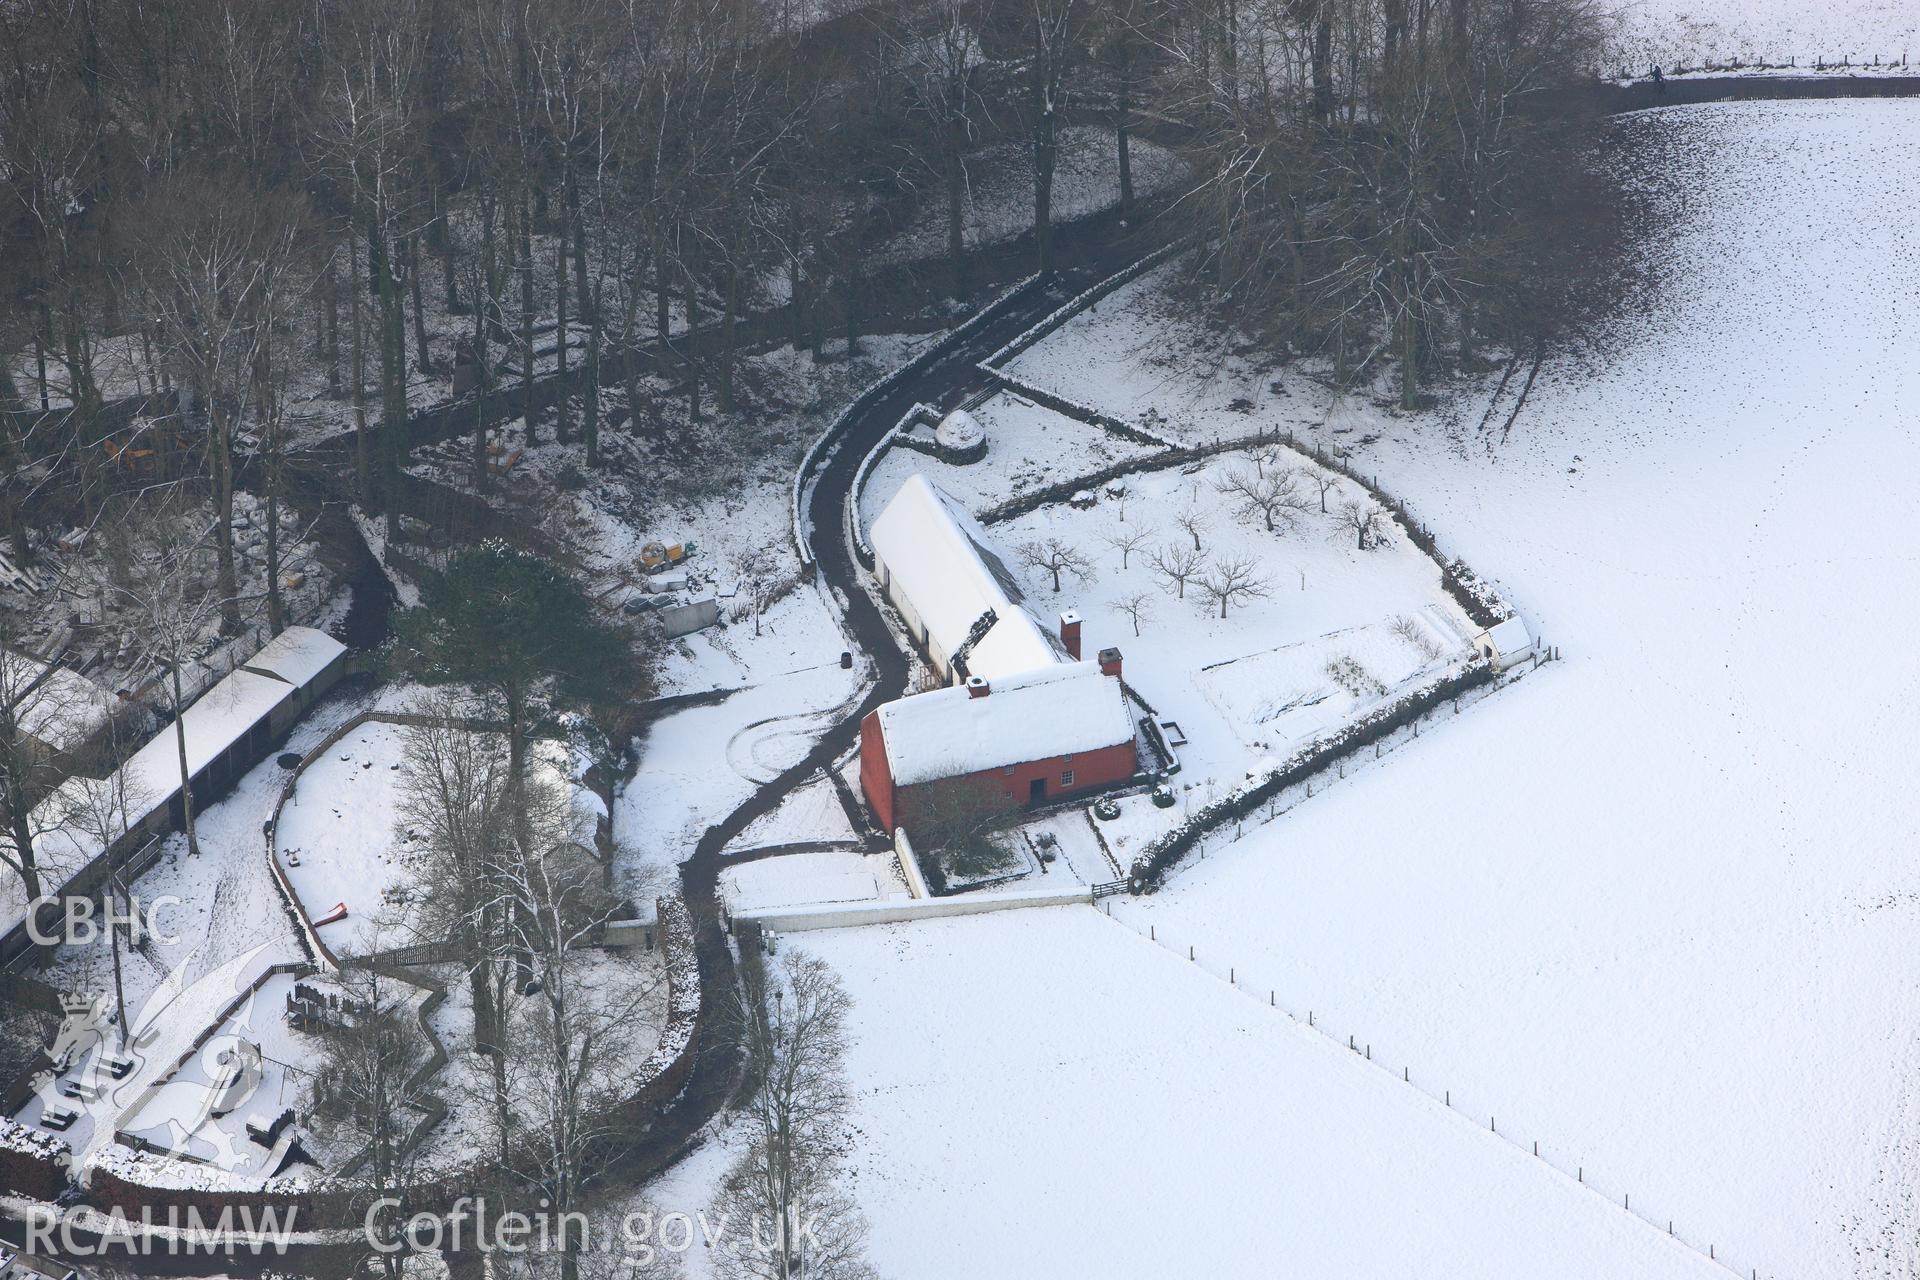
(1274, 495)
(1175, 563)
(1136, 608)
(27, 775)
(101, 810)
(1051, 555)
(943, 62)
(1128, 538)
(209, 260)
(959, 830)
(1192, 521)
(176, 600)
(454, 794)
(787, 1195)
(1054, 38)
(1323, 481)
(1361, 520)
(762, 578)
(1231, 581)
(578, 1028)
(368, 127)
(371, 1053)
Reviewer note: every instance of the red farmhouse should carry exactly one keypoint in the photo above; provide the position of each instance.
(1025, 721)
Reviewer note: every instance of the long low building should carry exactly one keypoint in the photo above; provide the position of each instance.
(1023, 720)
(228, 729)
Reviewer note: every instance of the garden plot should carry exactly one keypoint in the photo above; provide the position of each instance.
(799, 879)
(342, 844)
(1338, 632)
(1148, 1120)
(1657, 907)
(1028, 448)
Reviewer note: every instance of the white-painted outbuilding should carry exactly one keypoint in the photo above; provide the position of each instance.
(1505, 644)
(965, 611)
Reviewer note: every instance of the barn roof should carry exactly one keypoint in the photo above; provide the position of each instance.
(1054, 711)
(296, 655)
(942, 561)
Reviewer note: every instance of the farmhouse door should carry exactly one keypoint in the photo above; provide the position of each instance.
(1037, 791)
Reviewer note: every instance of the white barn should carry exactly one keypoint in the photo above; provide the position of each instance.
(965, 611)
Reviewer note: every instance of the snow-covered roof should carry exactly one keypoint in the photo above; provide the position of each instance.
(296, 655)
(62, 709)
(220, 718)
(942, 561)
(1509, 637)
(1053, 711)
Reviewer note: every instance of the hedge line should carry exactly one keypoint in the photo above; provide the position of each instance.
(1150, 868)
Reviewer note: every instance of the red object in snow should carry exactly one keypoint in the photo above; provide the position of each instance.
(339, 912)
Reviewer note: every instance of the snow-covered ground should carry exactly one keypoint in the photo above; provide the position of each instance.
(226, 924)
(796, 879)
(1046, 1094)
(810, 813)
(1692, 31)
(999, 201)
(1654, 906)
(341, 840)
(1028, 448)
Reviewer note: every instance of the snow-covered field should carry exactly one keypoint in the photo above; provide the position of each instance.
(1692, 31)
(342, 842)
(1656, 907)
(1042, 1093)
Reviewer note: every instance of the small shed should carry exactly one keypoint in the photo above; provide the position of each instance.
(685, 619)
(1505, 643)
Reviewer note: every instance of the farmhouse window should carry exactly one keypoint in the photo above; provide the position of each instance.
(1066, 777)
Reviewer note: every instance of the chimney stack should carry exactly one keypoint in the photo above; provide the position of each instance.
(1070, 633)
(977, 687)
(1110, 662)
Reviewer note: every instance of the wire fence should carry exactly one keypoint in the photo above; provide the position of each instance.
(1387, 1057)
(1747, 64)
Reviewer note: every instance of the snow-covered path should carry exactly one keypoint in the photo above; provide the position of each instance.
(1658, 907)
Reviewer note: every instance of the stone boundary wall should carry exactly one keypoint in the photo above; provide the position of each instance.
(853, 914)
